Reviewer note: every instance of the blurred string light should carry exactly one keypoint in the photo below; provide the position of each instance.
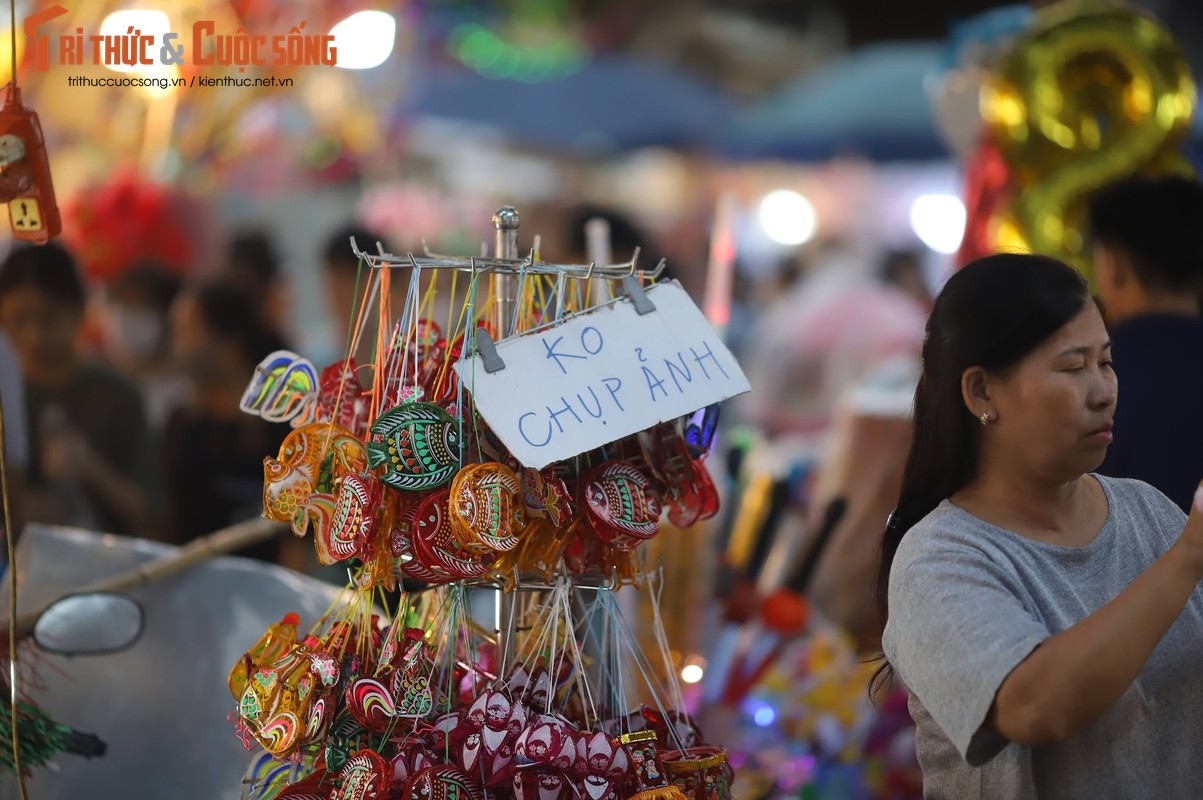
(692, 673)
(939, 221)
(787, 217)
(365, 39)
(488, 54)
(764, 715)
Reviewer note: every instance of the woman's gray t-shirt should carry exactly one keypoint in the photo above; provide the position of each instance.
(969, 601)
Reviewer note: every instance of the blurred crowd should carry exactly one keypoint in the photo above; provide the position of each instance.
(121, 400)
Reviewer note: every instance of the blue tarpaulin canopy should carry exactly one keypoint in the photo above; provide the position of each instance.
(871, 102)
(612, 104)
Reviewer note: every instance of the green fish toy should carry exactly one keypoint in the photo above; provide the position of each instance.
(417, 444)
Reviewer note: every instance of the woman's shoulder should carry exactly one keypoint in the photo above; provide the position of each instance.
(1132, 498)
(946, 529)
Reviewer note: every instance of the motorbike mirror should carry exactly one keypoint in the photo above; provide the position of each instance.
(90, 624)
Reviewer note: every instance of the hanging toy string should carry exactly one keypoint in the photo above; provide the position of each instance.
(8, 521)
(12, 613)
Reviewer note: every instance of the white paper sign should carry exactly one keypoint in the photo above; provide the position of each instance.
(602, 376)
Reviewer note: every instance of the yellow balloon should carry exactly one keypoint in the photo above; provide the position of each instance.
(1091, 93)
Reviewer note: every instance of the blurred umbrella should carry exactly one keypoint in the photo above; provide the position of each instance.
(871, 102)
(613, 104)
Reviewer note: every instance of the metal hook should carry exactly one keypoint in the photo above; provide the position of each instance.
(634, 258)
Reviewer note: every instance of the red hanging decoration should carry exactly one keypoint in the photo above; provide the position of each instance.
(25, 184)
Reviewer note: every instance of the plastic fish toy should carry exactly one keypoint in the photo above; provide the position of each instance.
(341, 399)
(418, 447)
(286, 493)
(312, 459)
(443, 783)
(276, 702)
(365, 776)
(354, 521)
(486, 510)
(621, 501)
(273, 645)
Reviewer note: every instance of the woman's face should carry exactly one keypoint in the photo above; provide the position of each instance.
(1054, 410)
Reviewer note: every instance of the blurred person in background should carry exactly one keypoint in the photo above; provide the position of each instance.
(89, 440)
(213, 452)
(137, 341)
(904, 270)
(1148, 263)
(253, 264)
(817, 339)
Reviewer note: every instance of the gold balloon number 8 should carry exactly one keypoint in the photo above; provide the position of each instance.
(1089, 95)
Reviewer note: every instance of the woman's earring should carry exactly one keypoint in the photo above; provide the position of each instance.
(985, 417)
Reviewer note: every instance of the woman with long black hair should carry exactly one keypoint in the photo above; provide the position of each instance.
(1047, 621)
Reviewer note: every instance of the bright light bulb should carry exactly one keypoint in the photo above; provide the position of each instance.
(692, 673)
(364, 39)
(939, 221)
(787, 217)
(147, 22)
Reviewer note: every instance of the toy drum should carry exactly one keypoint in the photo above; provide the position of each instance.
(701, 773)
